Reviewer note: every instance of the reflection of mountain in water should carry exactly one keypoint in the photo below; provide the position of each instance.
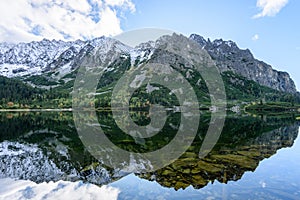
(242, 146)
(45, 146)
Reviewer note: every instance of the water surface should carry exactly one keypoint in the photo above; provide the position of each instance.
(254, 158)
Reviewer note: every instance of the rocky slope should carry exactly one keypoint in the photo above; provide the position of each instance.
(229, 57)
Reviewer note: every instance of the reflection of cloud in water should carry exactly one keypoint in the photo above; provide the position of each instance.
(20, 189)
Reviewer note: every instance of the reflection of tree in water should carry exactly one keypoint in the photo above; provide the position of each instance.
(245, 141)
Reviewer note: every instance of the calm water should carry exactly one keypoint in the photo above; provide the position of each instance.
(254, 158)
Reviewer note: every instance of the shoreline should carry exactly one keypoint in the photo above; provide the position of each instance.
(38, 110)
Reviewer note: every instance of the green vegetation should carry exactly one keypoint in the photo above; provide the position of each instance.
(15, 94)
(41, 80)
(272, 107)
(49, 91)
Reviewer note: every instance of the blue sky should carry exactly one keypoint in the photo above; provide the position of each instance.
(269, 28)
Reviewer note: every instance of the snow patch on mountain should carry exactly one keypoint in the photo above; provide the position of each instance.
(14, 70)
(142, 52)
(64, 70)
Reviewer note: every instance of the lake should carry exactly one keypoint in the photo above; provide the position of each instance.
(43, 156)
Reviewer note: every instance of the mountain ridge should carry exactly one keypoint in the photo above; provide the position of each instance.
(36, 58)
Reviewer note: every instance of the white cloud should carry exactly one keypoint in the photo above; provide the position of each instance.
(269, 7)
(255, 37)
(26, 20)
(127, 3)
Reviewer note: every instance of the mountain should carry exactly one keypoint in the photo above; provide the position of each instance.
(35, 58)
(53, 65)
(229, 57)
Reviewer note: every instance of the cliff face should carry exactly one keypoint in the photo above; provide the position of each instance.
(229, 57)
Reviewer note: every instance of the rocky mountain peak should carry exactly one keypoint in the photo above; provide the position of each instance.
(199, 39)
(229, 57)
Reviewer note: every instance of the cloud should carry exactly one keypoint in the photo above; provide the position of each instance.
(27, 20)
(127, 3)
(269, 7)
(255, 37)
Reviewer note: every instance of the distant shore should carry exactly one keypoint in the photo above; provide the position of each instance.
(38, 110)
